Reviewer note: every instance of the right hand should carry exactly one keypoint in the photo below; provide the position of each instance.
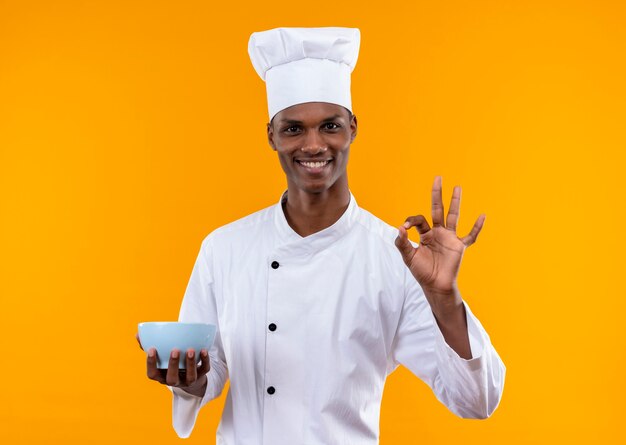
(192, 379)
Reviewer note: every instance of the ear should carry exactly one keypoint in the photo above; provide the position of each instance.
(353, 128)
(270, 136)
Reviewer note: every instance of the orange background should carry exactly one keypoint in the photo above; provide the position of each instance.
(130, 130)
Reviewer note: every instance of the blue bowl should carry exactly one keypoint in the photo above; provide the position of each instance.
(165, 336)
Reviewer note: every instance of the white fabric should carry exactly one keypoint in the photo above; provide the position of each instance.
(347, 311)
(302, 65)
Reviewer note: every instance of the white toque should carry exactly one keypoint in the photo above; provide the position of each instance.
(302, 65)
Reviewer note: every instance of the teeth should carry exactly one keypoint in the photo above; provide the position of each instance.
(314, 164)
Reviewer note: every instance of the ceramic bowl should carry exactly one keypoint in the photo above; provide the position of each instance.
(165, 336)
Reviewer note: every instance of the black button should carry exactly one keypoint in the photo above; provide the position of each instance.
(272, 327)
(271, 390)
(275, 264)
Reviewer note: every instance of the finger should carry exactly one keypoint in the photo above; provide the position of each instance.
(138, 341)
(473, 235)
(419, 222)
(437, 203)
(455, 208)
(153, 372)
(404, 245)
(205, 364)
(172, 378)
(191, 366)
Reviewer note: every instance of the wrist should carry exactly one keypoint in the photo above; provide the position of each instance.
(198, 388)
(446, 304)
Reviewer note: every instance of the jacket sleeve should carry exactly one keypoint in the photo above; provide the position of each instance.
(469, 388)
(199, 306)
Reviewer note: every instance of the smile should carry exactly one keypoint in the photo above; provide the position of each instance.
(314, 164)
(314, 167)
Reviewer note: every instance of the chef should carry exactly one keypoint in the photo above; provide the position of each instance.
(316, 300)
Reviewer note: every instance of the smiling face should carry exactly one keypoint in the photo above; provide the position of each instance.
(313, 142)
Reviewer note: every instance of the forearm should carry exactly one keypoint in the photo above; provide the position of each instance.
(454, 330)
(452, 322)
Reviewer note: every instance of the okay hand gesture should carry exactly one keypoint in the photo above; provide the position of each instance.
(436, 261)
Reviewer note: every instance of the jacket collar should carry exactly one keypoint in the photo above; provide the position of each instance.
(292, 243)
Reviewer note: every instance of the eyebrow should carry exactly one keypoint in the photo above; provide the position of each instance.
(297, 122)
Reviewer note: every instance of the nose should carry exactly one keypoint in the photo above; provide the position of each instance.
(313, 143)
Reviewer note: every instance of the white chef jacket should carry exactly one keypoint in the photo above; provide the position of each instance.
(308, 328)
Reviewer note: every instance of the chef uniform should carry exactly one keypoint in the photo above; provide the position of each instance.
(310, 327)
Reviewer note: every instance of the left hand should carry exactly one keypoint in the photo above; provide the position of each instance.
(436, 261)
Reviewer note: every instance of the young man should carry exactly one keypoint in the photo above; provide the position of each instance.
(316, 300)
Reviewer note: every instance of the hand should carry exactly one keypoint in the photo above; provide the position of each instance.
(436, 261)
(192, 379)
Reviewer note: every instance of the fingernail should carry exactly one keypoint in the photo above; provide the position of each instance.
(190, 354)
(406, 225)
(204, 353)
(174, 354)
(151, 353)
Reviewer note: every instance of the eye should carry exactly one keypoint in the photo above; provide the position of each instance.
(291, 129)
(331, 126)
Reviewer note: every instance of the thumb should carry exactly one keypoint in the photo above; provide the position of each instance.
(404, 245)
(139, 341)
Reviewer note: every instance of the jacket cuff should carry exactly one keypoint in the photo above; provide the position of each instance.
(185, 409)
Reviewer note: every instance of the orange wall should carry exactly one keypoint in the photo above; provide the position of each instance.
(130, 130)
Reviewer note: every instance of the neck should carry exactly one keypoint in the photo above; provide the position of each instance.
(308, 213)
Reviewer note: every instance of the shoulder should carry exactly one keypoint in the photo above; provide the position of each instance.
(243, 229)
(375, 228)
(376, 239)
(381, 243)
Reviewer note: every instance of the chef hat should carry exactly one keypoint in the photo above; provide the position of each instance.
(302, 65)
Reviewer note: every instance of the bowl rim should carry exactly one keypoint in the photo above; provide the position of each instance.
(173, 323)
